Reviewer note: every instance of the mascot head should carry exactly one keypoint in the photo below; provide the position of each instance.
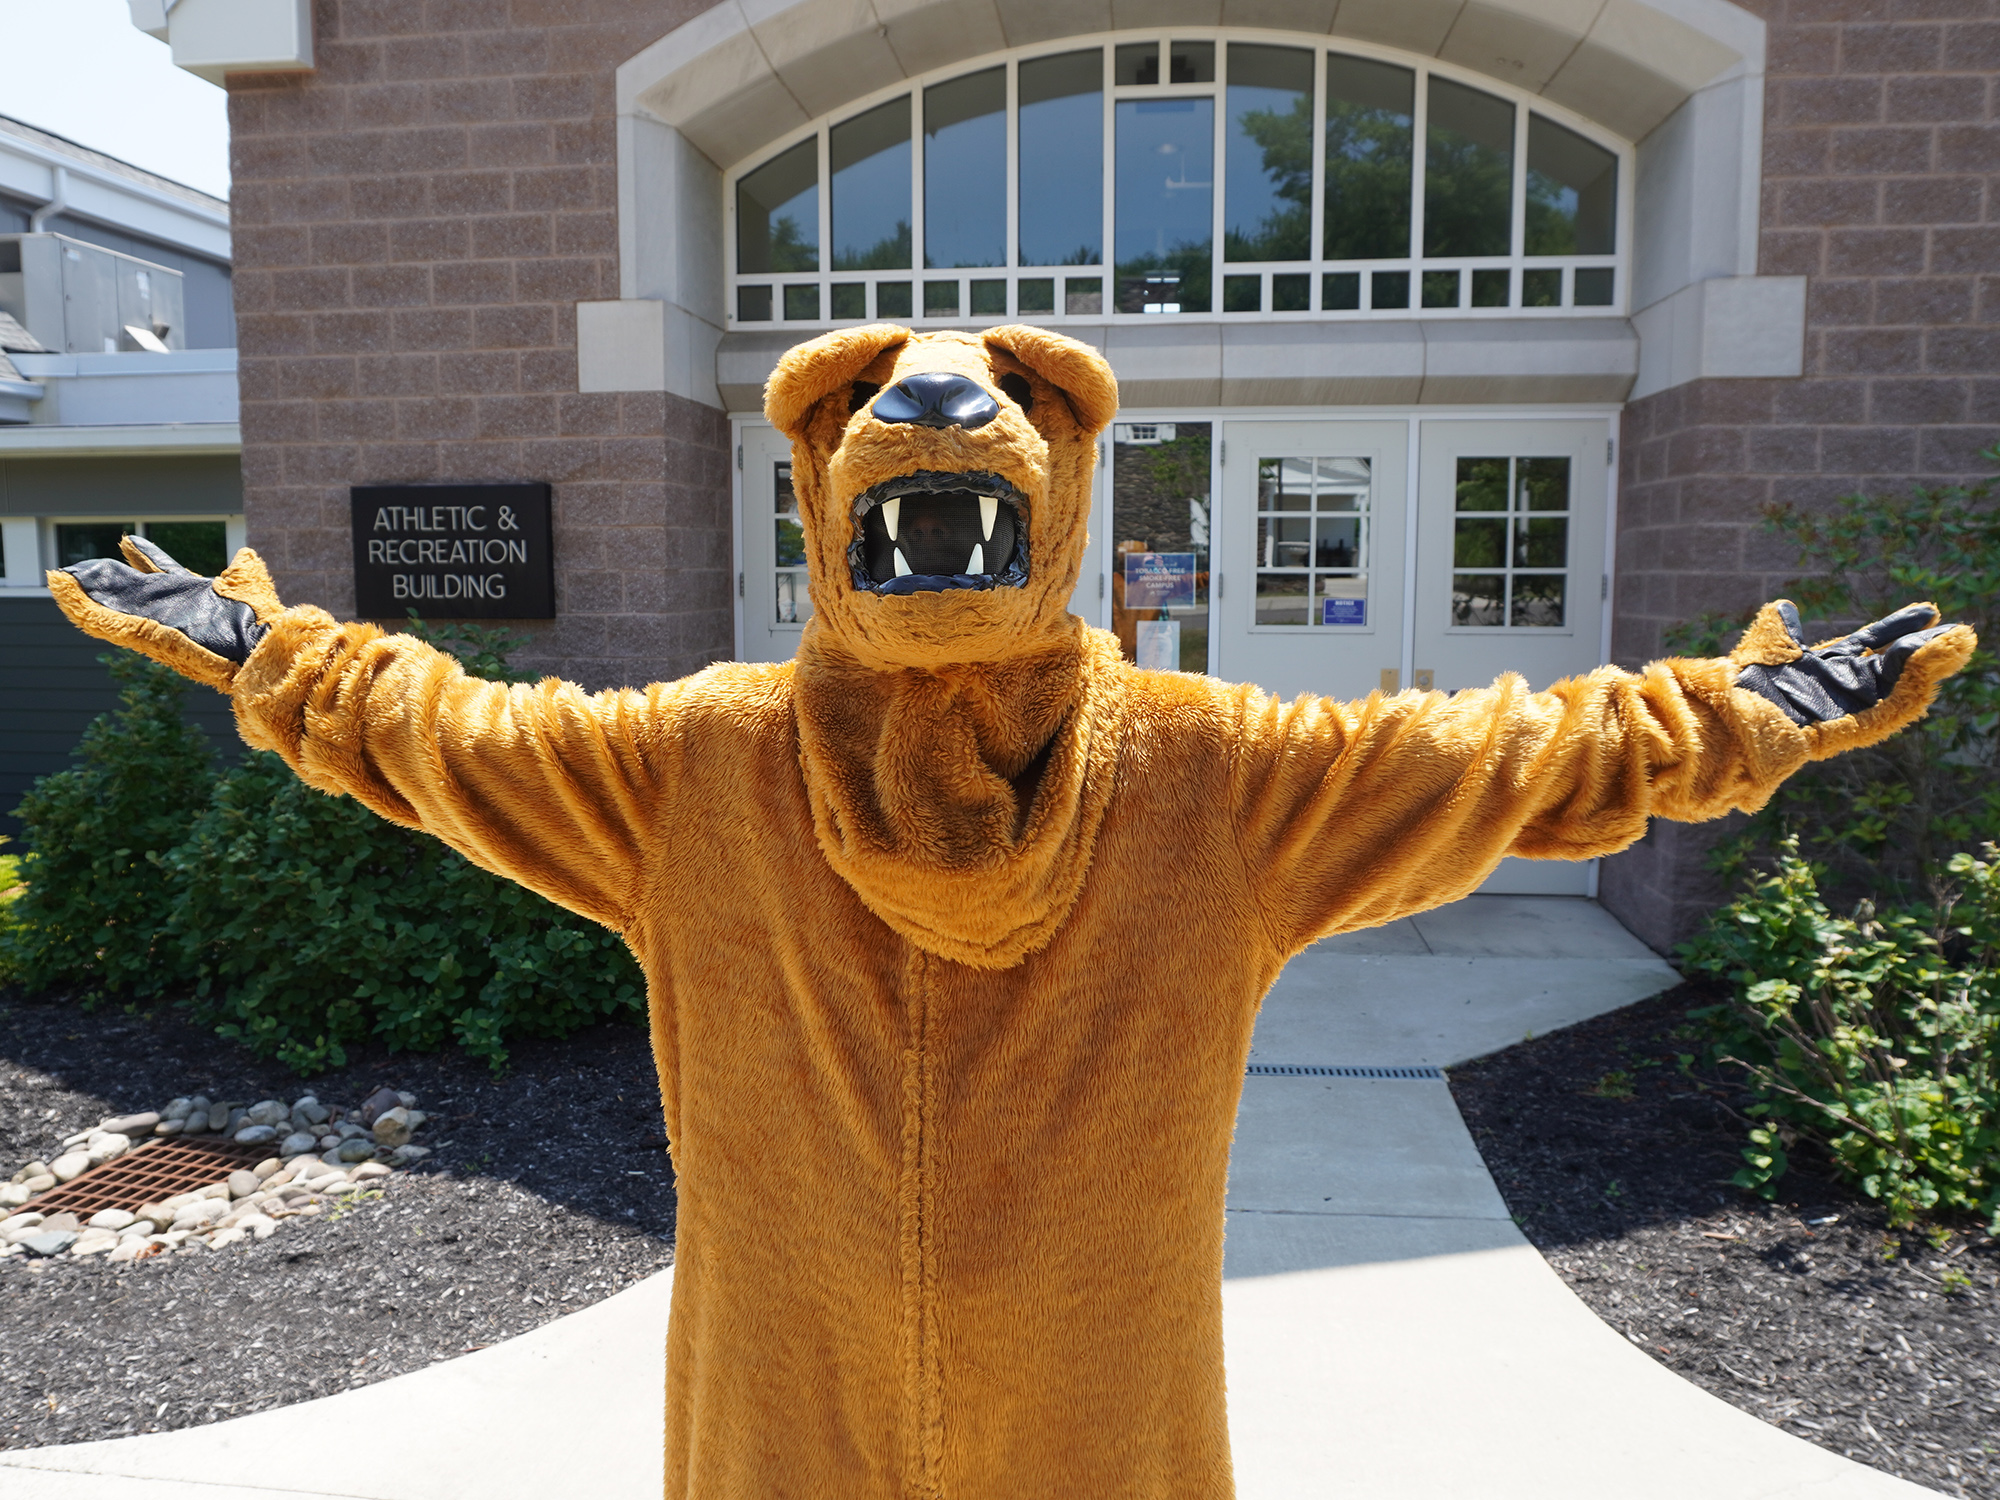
(944, 485)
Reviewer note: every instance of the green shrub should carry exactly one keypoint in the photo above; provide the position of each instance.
(297, 923)
(309, 924)
(481, 649)
(1885, 821)
(93, 913)
(1876, 1037)
(10, 892)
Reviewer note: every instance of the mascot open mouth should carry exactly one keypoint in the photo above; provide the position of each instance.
(930, 531)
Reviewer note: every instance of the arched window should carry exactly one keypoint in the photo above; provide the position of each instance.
(1204, 175)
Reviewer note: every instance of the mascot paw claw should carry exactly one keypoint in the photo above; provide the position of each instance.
(1856, 688)
(202, 627)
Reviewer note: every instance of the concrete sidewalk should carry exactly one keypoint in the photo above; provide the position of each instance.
(1390, 1335)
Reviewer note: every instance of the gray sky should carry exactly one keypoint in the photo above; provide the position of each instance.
(82, 69)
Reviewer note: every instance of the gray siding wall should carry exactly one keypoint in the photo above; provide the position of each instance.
(53, 685)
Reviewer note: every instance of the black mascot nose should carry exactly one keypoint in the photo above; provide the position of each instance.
(937, 400)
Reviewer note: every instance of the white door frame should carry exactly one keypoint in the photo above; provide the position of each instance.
(1097, 610)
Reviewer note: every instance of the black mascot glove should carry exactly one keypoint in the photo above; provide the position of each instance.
(1842, 678)
(173, 597)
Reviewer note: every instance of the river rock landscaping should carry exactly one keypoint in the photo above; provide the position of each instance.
(1807, 1311)
(544, 1190)
(320, 1155)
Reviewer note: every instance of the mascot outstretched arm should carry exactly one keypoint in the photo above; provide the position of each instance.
(955, 926)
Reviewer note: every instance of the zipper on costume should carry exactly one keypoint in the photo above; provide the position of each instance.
(917, 1210)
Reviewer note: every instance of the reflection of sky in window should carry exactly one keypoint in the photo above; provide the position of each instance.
(1268, 153)
(1062, 159)
(869, 157)
(965, 171)
(777, 213)
(1166, 174)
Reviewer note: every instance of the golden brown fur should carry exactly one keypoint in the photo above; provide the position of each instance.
(955, 930)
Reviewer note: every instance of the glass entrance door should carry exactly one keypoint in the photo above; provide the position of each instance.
(1510, 570)
(772, 564)
(1162, 489)
(1510, 550)
(1312, 567)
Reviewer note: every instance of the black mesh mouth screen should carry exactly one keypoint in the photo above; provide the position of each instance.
(929, 531)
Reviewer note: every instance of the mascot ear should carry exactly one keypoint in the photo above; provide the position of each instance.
(1075, 369)
(814, 370)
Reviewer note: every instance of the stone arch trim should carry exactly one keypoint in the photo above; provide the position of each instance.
(1682, 79)
(745, 72)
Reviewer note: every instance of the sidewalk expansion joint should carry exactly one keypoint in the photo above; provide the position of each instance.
(1315, 1213)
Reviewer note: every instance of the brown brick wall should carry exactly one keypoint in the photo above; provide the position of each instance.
(416, 220)
(1881, 185)
(414, 224)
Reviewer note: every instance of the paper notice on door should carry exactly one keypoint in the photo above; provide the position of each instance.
(1159, 645)
(1159, 580)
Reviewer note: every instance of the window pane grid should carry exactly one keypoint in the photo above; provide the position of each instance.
(1312, 183)
(794, 604)
(1312, 542)
(1510, 543)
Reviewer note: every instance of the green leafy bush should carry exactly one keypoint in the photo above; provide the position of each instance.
(1885, 821)
(308, 924)
(297, 923)
(1877, 1037)
(94, 909)
(481, 649)
(1874, 1035)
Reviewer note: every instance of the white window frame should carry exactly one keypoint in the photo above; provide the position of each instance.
(30, 541)
(1013, 274)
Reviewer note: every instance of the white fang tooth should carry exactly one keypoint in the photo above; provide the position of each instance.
(892, 515)
(977, 562)
(902, 568)
(989, 507)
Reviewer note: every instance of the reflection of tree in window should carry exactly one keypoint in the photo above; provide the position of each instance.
(869, 161)
(1165, 202)
(1512, 525)
(1572, 193)
(777, 213)
(1267, 210)
(198, 546)
(1370, 152)
(1468, 172)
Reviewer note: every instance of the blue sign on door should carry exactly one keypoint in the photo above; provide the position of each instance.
(1343, 612)
(1159, 580)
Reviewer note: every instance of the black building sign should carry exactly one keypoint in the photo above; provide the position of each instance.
(453, 551)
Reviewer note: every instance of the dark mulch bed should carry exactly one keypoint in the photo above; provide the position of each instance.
(548, 1189)
(1808, 1312)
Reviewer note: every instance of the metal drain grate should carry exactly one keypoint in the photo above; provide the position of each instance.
(1320, 1070)
(147, 1173)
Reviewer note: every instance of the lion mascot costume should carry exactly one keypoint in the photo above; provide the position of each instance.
(956, 925)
